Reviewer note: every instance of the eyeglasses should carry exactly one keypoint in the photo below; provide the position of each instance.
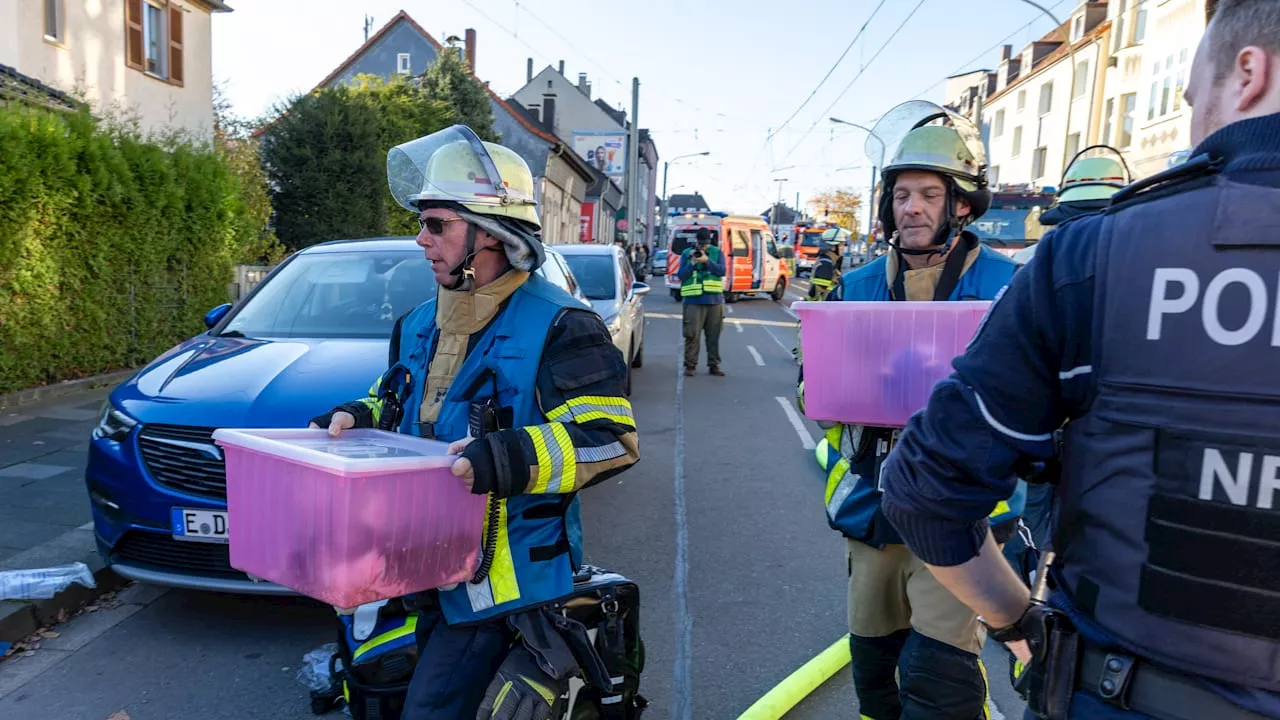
(435, 225)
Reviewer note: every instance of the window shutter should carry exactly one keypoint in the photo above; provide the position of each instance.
(133, 55)
(175, 44)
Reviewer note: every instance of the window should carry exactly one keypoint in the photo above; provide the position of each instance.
(1046, 98)
(740, 248)
(1140, 24)
(993, 176)
(1128, 105)
(1151, 101)
(1022, 100)
(1037, 162)
(153, 38)
(1077, 28)
(1017, 141)
(596, 275)
(1080, 83)
(998, 125)
(1073, 145)
(1107, 114)
(1168, 83)
(1118, 30)
(402, 64)
(53, 20)
(1164, 95)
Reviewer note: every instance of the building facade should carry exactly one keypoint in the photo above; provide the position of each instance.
(147, 59)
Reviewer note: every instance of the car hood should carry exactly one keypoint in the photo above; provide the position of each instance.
(606, 309)
(242, 382)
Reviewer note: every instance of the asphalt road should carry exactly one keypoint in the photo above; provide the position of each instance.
(721, 524)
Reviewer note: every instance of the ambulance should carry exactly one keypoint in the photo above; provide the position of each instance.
(753, 262)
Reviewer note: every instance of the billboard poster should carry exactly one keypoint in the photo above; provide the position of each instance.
(586, 223)
(604, 151)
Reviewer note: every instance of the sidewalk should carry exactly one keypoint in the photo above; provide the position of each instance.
(44, 507)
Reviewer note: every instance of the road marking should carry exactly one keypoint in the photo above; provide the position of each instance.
(729, 308)
(681, 698)
(737, 325)
(780, 343)
(755, 354)
(790, 312)
(87, 526)
(805, 438)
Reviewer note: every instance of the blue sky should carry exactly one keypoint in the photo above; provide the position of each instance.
(714, 74)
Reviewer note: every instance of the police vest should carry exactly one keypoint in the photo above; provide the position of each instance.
(853, 471)
(539, 537)
(702, 281)
(1169, 532)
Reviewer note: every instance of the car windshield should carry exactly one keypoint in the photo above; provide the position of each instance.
(357, 294)
(811, 239)
(595, 275)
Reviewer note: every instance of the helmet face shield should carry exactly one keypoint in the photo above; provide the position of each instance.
(958, 152)
(452, 165)
(1095, 173)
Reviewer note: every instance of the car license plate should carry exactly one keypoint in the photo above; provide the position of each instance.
(195, 525)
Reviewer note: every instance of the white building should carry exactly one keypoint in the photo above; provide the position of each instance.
(151, 58)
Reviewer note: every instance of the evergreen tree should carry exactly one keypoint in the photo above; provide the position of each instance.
(450, 81)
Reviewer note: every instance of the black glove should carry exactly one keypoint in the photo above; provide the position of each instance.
(522, 691)
(498, 464)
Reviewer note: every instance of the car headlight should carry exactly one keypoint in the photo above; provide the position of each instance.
(113, 424)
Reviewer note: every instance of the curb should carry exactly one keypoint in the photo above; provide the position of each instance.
(68, 387)
(18, 619)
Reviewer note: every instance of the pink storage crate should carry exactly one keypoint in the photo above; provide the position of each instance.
(875, 363)
(363, 517)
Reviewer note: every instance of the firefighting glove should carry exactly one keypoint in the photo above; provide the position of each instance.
(522, 691)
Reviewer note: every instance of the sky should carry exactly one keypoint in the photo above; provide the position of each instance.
(715, 75)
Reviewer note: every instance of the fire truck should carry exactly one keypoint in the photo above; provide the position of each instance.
(1013, 222)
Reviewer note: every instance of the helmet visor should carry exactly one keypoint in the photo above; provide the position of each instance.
(451, 165)
(893, 127)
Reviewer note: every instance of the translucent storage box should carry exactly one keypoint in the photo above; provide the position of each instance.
(875, 363)
(363, 517)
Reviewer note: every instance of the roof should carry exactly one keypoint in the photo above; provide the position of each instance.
(215, 5)
(24, 88)
(683, 201)
(1052, 58)
(618, 116)
(373, 39)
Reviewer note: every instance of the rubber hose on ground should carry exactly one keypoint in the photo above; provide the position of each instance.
(787, 694)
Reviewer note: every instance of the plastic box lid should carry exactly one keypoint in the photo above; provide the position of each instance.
(354, 452)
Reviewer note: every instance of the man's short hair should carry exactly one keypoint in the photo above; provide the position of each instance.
(1237, 24)
(704, 235)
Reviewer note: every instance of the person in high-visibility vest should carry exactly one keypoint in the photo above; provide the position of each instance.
(701, 276)
(826, 274)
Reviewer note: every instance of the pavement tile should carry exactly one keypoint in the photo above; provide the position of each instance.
(33, 471)
(25, 533)
(71, 481)
(8, 419)
(65, 412)
(65, 509)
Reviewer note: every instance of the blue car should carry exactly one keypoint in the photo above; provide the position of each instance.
(313, 334)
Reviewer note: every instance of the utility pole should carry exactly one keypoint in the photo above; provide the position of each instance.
(633, 169)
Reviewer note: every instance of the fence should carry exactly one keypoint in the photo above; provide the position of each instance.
(247, 278)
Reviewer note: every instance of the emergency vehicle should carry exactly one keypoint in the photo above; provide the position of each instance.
(753, 263)
(1013, 222)
(809, 242)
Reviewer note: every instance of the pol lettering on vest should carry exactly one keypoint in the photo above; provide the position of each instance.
(1166, 299)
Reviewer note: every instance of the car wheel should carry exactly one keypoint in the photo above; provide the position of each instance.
(638, 360)
(779, 291)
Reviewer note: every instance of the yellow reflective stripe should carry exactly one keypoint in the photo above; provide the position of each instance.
(542, 690)
(986, 687)
(502, 573)
(373, 389)
(543, 458)
(568, 459)
(838, 471)
(595, 407)
(713, 285)
(410, 624)
(375, 407)
(502, 696)
(691, 290)
(1002, 507)
(824, 284)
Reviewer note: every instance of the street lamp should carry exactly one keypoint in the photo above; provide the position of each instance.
(666, 165)
(773, 214)
(871, 192)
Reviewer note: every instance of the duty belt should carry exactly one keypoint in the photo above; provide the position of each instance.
(1132, 684)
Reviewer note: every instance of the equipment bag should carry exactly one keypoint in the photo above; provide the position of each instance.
(375, 660)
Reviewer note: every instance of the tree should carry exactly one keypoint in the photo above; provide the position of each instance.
(232, 142)
(839, 206)
(449, 80)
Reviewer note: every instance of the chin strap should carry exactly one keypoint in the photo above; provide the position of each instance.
(464, 274)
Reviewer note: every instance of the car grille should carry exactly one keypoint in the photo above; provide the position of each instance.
(161, 552)
(184, 458)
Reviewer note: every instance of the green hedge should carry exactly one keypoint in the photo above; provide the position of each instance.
(112, 248)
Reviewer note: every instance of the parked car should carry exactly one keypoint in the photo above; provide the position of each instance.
(604, 272)
(659, 263)
(311, 335)
(556, 269)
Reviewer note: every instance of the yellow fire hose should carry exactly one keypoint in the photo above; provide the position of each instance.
(798, 685)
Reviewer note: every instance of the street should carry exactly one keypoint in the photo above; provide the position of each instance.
(720, 523)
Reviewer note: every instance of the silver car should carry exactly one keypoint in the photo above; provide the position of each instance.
(604, 273)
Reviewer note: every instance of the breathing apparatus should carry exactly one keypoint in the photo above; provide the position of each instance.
(904, 139)
(489, 186)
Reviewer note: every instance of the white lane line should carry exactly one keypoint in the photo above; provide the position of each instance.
(729, 309)
(790, 312)
(682, 667)
(755, 354)
(737, 325)
(87, 526)
(780, 343)
(805, 438)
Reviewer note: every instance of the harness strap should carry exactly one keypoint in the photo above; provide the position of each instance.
(952, 269)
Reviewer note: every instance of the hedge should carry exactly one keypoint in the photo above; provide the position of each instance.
(112, 247)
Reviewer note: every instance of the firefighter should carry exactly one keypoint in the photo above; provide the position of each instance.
(826, 274)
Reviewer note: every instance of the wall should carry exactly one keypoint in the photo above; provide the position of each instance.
(93, 58)
(380, 58)
(519, 138)
(574, 110)
(1163, 118)
(9, 32)
(561, 208)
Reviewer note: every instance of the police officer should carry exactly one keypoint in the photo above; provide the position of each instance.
(1149, 328)
(528, 388)
(701, 276)
(901, 621)
(826, 274)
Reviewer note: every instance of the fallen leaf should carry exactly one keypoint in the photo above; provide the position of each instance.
(119, 715)
(92, 608)
(29, 653)
(63, 615)
(49, 634)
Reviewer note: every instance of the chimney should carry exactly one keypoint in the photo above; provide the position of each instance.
(528, 71)
(562, 67)
(471, 50)
(549, 112)
(587, 90)
(1006, 52)
(582, 80)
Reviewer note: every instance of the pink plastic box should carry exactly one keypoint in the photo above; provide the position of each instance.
(363, 517)
(875, 363)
